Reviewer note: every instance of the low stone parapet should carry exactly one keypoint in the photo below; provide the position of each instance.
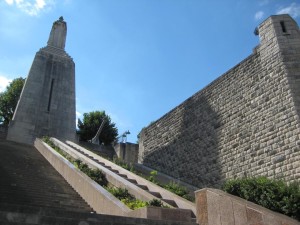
(215, 207)
(157, 213)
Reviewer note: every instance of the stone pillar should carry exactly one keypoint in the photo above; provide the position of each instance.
(215, 207)
(47, 101)
(127, 152)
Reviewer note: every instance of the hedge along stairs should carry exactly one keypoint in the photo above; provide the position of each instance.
(119, 177)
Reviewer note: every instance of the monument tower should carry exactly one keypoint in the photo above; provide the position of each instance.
(47, 102)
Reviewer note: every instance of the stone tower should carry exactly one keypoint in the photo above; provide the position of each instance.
(47, 102)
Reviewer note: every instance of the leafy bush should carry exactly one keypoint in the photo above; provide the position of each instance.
(95, 174)
(47, 140)
(156, 202)
(134, 203)
(124, 165)
(124, 196)
(152, 177)
(120, 193)
(178, 190)
(275, 195)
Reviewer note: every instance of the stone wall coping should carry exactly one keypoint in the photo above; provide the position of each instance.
(152, 212)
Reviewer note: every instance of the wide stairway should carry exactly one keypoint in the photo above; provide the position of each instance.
(33, 192)
(28, 179)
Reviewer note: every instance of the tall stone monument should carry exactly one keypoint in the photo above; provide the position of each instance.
(47, 102)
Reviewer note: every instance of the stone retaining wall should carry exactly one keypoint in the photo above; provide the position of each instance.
(245, 123)
(215, 207)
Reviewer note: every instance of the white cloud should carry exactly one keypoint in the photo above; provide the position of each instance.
(40, 4)
(31, 7)
(293, 9)
(78, 114)
(4, 81)
(259, 15)
(10, 2)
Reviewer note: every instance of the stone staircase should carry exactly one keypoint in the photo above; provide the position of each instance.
(133, 181)
(33, 192)
(16, 215)
(154, 190)
(28, 180)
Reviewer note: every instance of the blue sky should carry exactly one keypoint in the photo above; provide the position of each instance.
(136, 59)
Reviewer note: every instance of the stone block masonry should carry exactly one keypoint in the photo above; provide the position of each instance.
(245, 123)
(47, 101)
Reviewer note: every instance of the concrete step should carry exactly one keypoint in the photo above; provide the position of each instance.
(144, 187)
(115, 171)
(39, 196)
(123, 175)
(15, 214)
(170, 202)
(9, 189)
(132, 180)
(53, 204)
(156, 194)
(52, 211)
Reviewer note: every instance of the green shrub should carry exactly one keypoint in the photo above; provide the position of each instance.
(124, 196)
(275, 195)
(134, 203)
(156, 202)
(95, 174)
(124, 165)
(152, 177)
(120, 193)
(178, 190)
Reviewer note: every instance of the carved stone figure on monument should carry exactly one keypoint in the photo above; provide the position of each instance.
(95, 140)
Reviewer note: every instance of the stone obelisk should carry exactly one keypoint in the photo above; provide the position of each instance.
(47, 103)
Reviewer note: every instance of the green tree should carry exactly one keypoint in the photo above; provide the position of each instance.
(88, 128)
(9, 99)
